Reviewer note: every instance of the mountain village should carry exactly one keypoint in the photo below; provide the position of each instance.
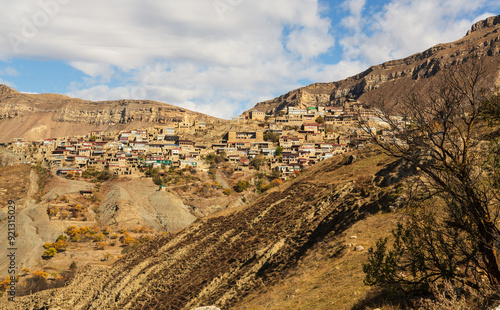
(288, 141)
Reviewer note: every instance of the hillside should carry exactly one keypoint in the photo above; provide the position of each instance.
(36, 117)
(220, 259)
(117, 205)
(390, 80)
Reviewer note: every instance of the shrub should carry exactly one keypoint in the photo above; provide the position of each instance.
(363, 185)
(157, 180)
(241, 186)
(39, 273)
(271, 137)
(61, 245)
(101, 245)
(273, 183)
(107, 257)
(144, 239)
(94, 230)
(71, 231)
(142, 229)
(257, 162)
(49, 253)
(39, 281)
(4, 285)
(126, 239)
(48, 245)
(52, 211)
(99, 237)
(279, 151)
(64, 214)
(62, 237)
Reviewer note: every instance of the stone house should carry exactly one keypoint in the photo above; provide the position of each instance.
(257, 115)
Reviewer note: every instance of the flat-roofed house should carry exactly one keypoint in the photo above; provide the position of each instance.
(257, 115)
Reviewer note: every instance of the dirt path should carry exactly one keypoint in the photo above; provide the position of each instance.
(221, 180)
(33, 188)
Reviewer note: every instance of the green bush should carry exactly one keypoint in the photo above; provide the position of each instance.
(241, 186)
(49, 253)
(157, 180)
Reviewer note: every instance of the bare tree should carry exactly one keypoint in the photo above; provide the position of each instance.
(452, 228)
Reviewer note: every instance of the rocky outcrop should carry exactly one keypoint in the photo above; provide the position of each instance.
(120, 115)
(6, 90)
(487, 23)
(390, 80)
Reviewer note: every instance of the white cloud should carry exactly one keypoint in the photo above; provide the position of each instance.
(354, 21)
(9, 71)
(94, 69)
(195, 53)
(29, 93)
(308, 43)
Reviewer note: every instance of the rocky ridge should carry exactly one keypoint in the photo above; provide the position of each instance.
(34, 117)
(391, 79)
(486, 23)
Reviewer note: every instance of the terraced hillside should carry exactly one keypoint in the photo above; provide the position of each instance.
(220, 259)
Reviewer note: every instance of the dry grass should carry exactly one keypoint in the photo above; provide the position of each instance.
(330, 276)
(14, 183)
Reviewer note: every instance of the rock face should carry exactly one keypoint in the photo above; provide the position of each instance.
(392, 79)
(34, 117)
(487, 23)
(137, 202)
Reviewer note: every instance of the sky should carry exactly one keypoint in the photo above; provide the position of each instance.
(218, 57)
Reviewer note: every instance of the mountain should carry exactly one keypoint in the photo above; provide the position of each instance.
(35, 117)
(390, 80)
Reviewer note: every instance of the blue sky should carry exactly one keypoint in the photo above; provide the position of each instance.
(218, 57)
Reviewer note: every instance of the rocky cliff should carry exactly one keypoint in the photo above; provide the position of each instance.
(392, 79)
(35, 117)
